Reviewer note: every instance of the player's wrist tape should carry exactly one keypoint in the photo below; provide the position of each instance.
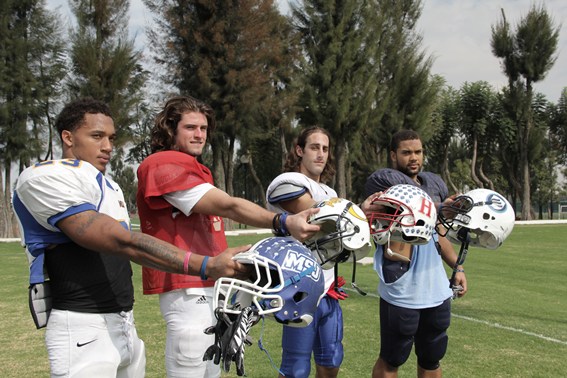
(278, 224)
(282, 223)
(275, 224)
(455, 269)
(186, 262)
(203, 266)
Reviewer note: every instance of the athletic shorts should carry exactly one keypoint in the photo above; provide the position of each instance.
(323, 337)
(187, 313)
(400, 327)
(94, 345)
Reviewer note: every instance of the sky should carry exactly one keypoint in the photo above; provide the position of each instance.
(456, 33)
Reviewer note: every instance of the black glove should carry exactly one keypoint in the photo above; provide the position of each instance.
(231, 336)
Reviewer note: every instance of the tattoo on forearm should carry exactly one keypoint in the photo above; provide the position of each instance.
(161, 254)
(85, 220)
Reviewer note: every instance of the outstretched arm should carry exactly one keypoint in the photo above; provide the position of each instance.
(217, 202)
(103, 234)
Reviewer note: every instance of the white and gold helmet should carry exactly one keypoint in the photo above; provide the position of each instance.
(344, 233)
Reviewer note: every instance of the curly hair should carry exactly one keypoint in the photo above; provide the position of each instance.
(165, 127)
(293, 161)
(72, 116)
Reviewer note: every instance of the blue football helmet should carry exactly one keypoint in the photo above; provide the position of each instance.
(286, 283)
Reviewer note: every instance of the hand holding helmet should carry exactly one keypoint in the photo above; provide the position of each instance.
(484, 214)
(286, 283)
(344, 232)
(409, 216)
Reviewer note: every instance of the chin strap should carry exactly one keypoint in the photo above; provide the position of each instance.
(263, 349)
(464, 236)
(391, 253)
(295, 279)
(353, 283)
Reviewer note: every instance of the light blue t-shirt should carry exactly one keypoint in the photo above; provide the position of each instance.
(424, 285)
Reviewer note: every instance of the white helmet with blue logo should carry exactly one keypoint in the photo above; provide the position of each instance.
(286, 283)
(487, 215)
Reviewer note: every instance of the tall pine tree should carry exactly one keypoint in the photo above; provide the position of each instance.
(107, 66)
(233, 55)
(105, 62)
(527, 55)
(336, 73)
(30, 71)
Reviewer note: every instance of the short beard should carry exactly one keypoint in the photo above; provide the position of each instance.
(408, 172)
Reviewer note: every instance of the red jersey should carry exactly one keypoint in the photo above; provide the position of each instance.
(168, 172)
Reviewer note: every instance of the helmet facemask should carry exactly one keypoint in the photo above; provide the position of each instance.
(409, 216)
(486, 214)
(343, 232)
(286, 283)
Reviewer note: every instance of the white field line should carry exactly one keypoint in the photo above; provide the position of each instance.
(489, 324)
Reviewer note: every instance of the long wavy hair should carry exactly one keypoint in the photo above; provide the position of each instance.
(165, 127)
(293, 160)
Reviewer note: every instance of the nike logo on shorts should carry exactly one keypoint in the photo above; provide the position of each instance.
(83, 344)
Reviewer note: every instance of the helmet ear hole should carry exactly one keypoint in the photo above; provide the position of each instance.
(300, 296)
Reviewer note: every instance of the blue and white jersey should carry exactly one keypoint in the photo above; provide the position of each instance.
(50, 191)
(292, 185)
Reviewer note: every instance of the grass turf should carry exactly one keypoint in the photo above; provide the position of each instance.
(512, 323)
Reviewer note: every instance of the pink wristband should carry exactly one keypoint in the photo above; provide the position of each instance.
(186, 262)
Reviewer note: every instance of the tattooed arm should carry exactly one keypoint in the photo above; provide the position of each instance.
(103, 234)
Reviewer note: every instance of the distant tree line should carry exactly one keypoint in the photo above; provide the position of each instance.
(354, 67)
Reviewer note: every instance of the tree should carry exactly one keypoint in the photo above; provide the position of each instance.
(232, 55)
(337, 93)
(49, 66)
(107, 66)
(446, 119)
(527, 56)
(105, 63)
(31, 67)
(124, 176)
(558, 127)
(477, 108)
(403, 93)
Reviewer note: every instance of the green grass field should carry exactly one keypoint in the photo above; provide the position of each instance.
(512, 323)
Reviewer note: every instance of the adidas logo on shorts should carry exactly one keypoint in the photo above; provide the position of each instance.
(202, 300)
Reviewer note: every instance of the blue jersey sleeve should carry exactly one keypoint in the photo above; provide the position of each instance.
(384, 178)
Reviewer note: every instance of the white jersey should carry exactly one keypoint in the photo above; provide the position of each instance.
(300, 184)
(50, 191)
(291, 185)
